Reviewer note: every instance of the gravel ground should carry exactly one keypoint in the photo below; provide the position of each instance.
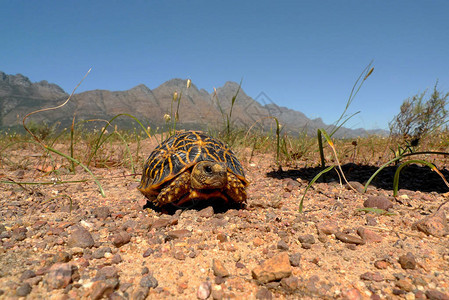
(69, 242)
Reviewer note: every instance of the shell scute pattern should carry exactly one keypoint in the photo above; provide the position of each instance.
(183, 150)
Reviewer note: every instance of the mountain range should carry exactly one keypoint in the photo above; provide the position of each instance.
(198, 108)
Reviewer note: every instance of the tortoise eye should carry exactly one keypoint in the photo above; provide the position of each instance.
(208, 169)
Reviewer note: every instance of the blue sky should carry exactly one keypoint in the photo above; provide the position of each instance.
(305, 55)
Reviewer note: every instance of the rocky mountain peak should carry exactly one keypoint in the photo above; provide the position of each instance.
(18, 79)
(199, 109)
(141, 88)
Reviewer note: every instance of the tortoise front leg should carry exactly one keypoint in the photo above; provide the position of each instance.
(235, 189)
(179, 187)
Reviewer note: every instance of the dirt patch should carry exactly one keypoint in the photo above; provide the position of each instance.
(69, 242)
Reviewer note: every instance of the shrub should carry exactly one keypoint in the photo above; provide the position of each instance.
(419, 117)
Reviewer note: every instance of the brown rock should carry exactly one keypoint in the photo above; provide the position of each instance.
(107, 272)
(327, 227)
(19, 233)
(356, 185)
(349, 239)
(222, 237)
(102, 289)
(60, 275)
(275, 268)
(407, 261)
(435, 224)
(101, 212)
(372, 276)
(258, 242)
(148, 281)
(381, 264)
(160, 223)
(352, 294)
(140, 293)
(281, 245)
(179, 255)
(368, 235)
(420, 295)
(381, 202)
(264, 293)
(290, 283)
(204, 290)
(295, 259)
(23, 290)
(371, 221)
(306, 239)
(436, 295)
(121, 238)
(219, 268)
(178, 234)
(206, 212)
(80, 237)
(405, 284)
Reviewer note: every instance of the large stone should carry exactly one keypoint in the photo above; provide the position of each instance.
(60, 275)
(327, 227)
(219, 268)
(80, 237)
(349, 239)
(435, 225)
(368, 235)
(272, 269)
(407, 261)
(381, 202)
(121, 238)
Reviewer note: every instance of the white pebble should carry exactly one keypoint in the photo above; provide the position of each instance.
(204, 290)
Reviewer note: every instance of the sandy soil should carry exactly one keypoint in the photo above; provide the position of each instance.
(66, 241)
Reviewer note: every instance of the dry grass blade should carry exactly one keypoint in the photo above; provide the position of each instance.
(48, 148)
(51, 108)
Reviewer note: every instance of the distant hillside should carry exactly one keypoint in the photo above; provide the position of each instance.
(198, 108)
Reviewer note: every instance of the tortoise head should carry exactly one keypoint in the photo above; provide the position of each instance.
(209, 175)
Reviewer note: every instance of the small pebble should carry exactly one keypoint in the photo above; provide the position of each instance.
(264, 294)
(60, 275)
(100, 252)
(350, 239)
(206, 212)
(407, 261)
(369, 276)
(436, 295)
(108, 272)
(435, 224)
(272, 269)
(281, 245)
(121, 238)
(116, 259)
(381, 202)
(148, 281)
(80, 237)
(148, 252)
(179, 255)
(23, 290)
(295, 259)
(204, 290)
(368, 235)
(306, 239)
(290, 283)
(219, 268)
(101, 212)
(327, 227)
(19, 233)
(27, 274)
(381, 264)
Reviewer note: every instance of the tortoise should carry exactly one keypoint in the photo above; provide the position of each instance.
(190, 166)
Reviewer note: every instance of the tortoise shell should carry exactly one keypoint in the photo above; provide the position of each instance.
(179, 153)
